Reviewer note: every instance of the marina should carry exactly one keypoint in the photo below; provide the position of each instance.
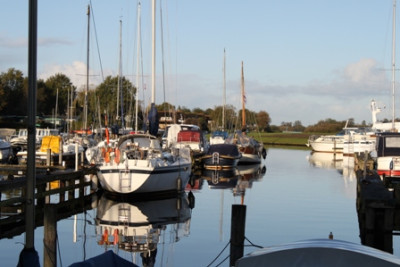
(289, 200)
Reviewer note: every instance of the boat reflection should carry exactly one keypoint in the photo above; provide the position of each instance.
(344, 164)
(238, 179)
(138, 227)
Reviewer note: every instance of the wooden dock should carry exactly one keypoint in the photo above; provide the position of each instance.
(376, 209)
(69, 185)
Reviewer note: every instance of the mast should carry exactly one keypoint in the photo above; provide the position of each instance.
(119, 69)
(393, 62)
(153, 53)
(153, 114)
(138, 65)
(85, 108)
(243, 102)
(224, 95)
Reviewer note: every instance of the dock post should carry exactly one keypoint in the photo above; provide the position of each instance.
(76, 157)
(50, 236)
(48, 157)
(60, 152)
(238, 222)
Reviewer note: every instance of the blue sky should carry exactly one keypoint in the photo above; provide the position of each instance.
(303, 60)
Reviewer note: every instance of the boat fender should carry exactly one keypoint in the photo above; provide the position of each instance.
(104, 238)
(117, 155)
(105, 153)
(116, 238)
(264, 153)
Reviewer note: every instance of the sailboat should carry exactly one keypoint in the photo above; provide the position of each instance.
(136, 163)
(252, 151)
(221, 155)
(219, 136)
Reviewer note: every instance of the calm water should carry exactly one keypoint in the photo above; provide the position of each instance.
(300, 196)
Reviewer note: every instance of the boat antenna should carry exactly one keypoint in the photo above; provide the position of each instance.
(393, 62)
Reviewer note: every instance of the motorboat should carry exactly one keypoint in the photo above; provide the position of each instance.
(136, 164)
(388, 154)
(60, 152)
(186, 135)
(20, 141)
(349, 141)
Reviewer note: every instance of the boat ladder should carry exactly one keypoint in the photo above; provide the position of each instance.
(215, 158)
(124, 180)
(124, 215)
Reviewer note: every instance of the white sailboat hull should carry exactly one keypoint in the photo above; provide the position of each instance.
(144, 176)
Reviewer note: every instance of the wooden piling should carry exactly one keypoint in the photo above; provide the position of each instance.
(50, 236)
(238, 222)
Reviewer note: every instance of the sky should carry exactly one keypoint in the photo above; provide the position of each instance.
(304, 60)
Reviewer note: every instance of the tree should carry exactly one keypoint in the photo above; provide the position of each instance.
(263, 120)
(106, 92)
(13, 100)
(61, 83)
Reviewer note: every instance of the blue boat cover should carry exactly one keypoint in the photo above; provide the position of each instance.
(108, 258)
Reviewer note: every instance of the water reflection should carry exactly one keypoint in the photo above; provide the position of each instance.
(139, 226)
(375, 206)
(337, 161)
(238, 179)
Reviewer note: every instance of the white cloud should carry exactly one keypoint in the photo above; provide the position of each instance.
(76, 72)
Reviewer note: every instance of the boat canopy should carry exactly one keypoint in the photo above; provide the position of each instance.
(388, 144)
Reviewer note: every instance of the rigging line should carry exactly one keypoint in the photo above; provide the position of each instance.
(97, 41)
(219, 264)
(257, 246)
(219, 254)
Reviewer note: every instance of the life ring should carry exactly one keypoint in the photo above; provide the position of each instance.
(117, 155)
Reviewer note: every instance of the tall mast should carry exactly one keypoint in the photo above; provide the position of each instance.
(393, 62)
(224, 95)
(119, 68)
(243, 102)
(153, 53)
(138, 65)
(85, 112)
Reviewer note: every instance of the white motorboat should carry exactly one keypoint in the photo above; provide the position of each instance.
(186, 135)
(136, 164)
(54, 144)
(20, 142)
(349, 141)
(388, 154)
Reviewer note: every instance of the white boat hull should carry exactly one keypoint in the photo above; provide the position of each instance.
(144, 176)
(333, 144)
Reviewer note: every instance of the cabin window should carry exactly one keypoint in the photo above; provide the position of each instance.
(393, 142)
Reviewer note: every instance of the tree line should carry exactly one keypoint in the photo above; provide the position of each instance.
(57, 96)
